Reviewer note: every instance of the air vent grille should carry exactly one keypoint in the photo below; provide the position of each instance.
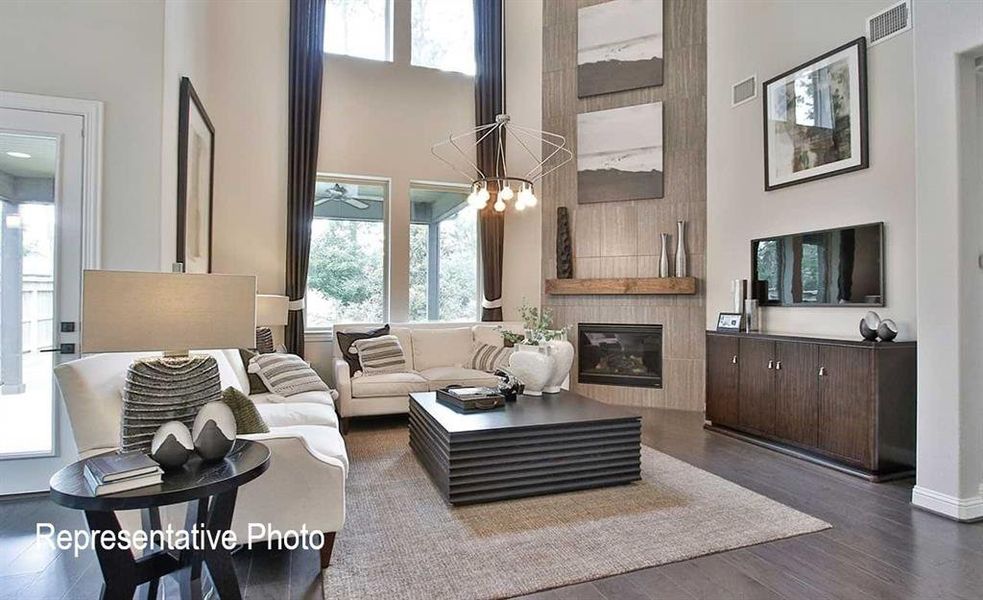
(744, 91)
(888, 23)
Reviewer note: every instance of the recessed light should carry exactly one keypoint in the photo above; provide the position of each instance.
(19, 155)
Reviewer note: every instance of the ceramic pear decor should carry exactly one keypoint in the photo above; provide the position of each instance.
(214, 431)
(869, 325)
(172, 445)
(887, 330)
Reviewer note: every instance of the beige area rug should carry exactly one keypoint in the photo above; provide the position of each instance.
(401, 540)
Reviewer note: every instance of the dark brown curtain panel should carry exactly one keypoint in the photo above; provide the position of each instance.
(306, 69)
(489, 102)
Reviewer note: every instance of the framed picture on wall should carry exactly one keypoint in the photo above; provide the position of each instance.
(619, 46)
(815, 118)
(195, 167)
(619, 154)
(730, 322)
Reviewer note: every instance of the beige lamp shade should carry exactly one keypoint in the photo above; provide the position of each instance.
(126, 311)
(271, 310)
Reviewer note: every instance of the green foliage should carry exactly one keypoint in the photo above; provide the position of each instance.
(346, 268)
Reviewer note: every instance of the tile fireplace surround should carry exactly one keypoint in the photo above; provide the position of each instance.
(621, 239)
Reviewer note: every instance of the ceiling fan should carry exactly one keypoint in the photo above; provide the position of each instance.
(338, 193)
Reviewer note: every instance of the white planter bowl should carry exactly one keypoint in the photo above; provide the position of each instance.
(562, 353)
(533, 366)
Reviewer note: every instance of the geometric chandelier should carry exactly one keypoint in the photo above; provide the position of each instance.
(506, 187)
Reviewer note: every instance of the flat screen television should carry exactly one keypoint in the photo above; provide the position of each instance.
(834, 267)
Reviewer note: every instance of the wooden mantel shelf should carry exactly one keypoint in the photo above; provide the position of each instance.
(622, 285)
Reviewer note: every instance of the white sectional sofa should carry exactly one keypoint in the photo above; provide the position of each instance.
(436, 355)
(305, 484)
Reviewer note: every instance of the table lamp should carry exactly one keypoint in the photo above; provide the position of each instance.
(173, 313)
(271, 311)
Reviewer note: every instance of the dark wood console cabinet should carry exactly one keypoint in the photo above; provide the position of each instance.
(846, 404)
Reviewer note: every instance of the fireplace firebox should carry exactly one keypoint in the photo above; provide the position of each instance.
(618, 354)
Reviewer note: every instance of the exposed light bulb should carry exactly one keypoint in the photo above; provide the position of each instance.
(473, 200)
(483, 197)
(526, 196)
(499, 205)
(506, 193)
(519, 204)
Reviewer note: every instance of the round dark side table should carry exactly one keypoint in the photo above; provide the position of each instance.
(210, 491)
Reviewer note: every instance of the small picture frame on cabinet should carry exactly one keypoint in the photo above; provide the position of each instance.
(730, 322)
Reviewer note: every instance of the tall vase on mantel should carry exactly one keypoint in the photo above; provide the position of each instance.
(664, 259)
(680, 249)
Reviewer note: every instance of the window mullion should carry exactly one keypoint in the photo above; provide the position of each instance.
(433, 272)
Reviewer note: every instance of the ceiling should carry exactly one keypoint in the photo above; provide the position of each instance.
(43, 151)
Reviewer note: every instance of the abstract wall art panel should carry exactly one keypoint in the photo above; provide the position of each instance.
(619, 46)
(619, 154)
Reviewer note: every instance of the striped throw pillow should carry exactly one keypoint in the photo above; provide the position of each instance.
(489, 358)
(381, 354)
(286, 374)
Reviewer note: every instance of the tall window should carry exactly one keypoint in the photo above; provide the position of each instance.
(443, 254)
(443, 35)
(346, 278)
(360, 28)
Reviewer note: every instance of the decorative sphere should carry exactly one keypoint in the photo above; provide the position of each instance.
(869, 325)
(887, 330)
(214, 431)
(171, 445)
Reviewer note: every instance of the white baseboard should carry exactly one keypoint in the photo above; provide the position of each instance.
(960, 509)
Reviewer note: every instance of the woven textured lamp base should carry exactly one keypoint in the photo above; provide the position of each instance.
(158, 390)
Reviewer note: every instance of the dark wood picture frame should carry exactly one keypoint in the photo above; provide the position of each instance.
(188, 99)
(861, 48)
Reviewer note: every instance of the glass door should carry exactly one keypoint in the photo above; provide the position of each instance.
(40, 267)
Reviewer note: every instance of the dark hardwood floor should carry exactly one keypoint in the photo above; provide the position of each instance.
(879, 546)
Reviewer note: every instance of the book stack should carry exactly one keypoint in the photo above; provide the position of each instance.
(115, 473)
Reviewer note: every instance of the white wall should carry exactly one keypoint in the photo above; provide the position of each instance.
(767, 38)
(186, 34)
(112, 52)
(248, 104)
(949, 242)
(522, 271)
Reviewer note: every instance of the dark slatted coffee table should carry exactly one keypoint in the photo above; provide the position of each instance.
(535, 445)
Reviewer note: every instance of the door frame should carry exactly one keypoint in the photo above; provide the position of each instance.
(91, 112)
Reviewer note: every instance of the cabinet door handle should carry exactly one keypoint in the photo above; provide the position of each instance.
(733, 361)
(822, 371)
(771, 364)
(778, 366)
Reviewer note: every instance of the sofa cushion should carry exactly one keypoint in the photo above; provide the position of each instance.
(256, 385)
(441, 377)
(405, 335)
(286, 374)
(297, 413)
(248, 419)
(388, 384)
(489, 358)
(382, 354)
(441, 347)
(320, 440)
(303, 397)
(345, 339)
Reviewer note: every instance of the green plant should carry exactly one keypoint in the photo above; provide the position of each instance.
(539, 324)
